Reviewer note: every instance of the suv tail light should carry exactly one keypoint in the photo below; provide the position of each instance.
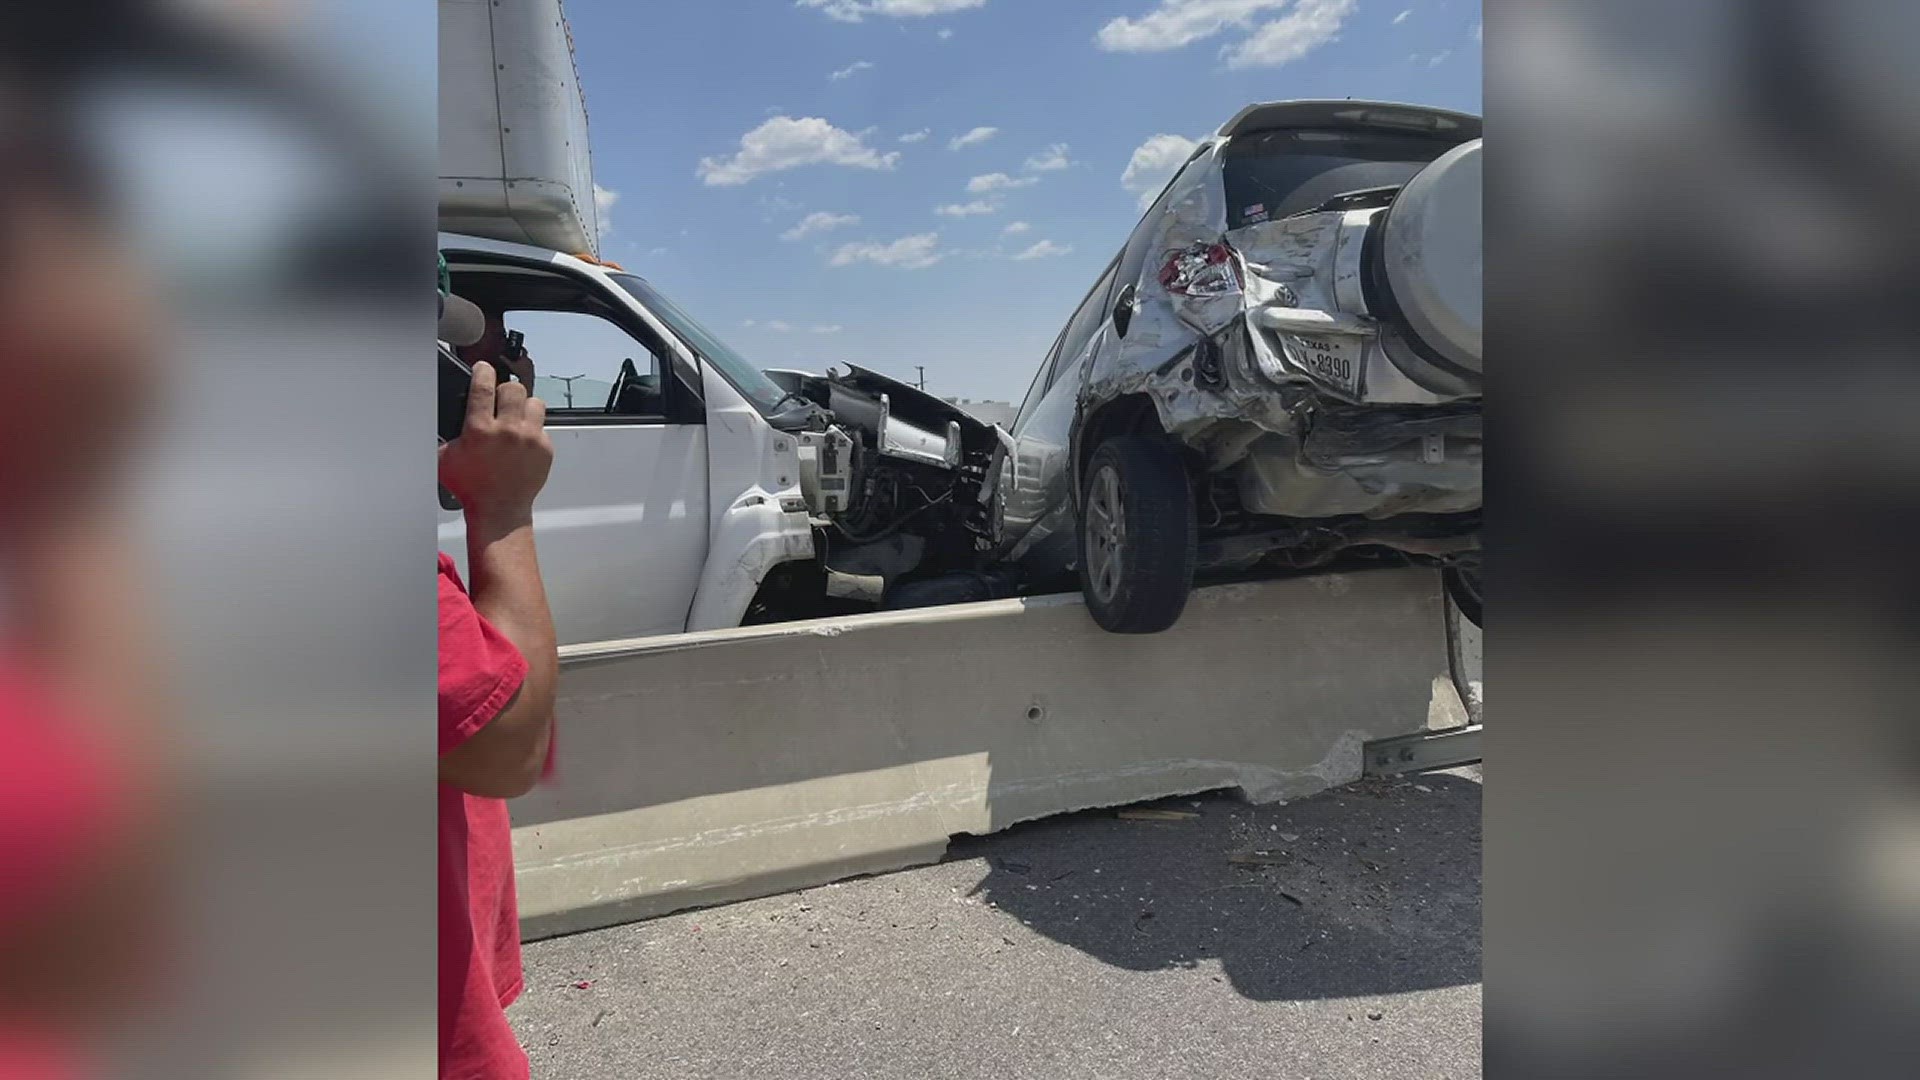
(1202, 270)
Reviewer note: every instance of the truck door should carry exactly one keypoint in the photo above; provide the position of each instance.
(623, 521)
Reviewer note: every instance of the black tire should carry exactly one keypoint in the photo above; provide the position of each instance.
(1463, 586)
(1144, 589)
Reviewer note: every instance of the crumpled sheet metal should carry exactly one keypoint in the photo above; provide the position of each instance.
(1259, 403)
(1156, 355)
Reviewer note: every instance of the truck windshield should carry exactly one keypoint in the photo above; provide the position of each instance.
(745, 377)
(1271, 174)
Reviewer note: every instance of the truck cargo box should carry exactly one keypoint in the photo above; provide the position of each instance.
(514, 159)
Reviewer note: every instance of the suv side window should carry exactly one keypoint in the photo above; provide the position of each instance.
(1092, 312)
(1140, 245)
(1041, 378)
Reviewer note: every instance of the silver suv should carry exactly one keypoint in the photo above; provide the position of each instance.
(1281, 364)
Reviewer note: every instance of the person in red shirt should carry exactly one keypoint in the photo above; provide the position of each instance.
(84, 806)
(498, 665)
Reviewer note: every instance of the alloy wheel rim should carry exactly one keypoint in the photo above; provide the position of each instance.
(1106, 533)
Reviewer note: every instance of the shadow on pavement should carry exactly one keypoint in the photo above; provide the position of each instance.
(1370, 889)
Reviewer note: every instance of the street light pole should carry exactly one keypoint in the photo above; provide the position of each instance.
(568, 379)
(923, 375)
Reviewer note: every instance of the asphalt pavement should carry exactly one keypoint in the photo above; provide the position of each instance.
(1334, 937)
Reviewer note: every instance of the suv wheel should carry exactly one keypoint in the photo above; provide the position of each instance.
(1138, 537)
(1463, 584)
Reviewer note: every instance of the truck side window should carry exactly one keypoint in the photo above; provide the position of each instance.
(581, 360)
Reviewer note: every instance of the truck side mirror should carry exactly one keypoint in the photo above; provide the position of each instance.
(1123, 310)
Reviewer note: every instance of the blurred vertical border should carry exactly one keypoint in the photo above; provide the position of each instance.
(1702, 826)
(270, 164)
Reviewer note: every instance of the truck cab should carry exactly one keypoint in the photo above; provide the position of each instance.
(667, 446)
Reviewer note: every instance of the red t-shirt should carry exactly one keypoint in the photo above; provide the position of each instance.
(480, 671)
(60, 797)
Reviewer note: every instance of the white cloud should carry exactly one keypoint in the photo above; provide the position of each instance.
(977, 135)
(603, 200)
(788, 143)
(1174, 24)
(1311, 24)
(856, 10)
(909, 252)
(998, 181)
(1402, 17)
(944, 33)
(831, 328)
(746, 322)
(851, 70)
(964, 209)
(1053, 157)
(1476, 31)
(1439, 58)
(780, 325)
(1153, 164)
(916, 136)
(1044, 249)
(818, 222)
(1016, 227)
(657, 251)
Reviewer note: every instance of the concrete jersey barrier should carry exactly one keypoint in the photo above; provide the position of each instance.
(705, 768)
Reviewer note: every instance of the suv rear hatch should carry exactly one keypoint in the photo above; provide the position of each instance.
(1290, 173)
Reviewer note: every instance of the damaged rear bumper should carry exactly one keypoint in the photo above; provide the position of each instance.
(1375, 464)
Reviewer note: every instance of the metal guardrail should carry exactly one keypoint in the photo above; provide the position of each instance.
(1447, 748)
(1424, 751)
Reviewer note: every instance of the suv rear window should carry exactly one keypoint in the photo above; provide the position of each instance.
(1271, 174)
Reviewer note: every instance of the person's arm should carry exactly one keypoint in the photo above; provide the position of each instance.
(495, 468)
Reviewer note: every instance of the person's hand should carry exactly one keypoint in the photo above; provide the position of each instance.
(500, 461)
(521, 369)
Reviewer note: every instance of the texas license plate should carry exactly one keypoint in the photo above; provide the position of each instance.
(1332, 360)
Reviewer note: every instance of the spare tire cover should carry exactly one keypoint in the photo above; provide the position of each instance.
(1432, 254)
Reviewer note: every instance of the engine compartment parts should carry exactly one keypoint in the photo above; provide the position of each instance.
(894, 437)
(892, 477)
(826, 469)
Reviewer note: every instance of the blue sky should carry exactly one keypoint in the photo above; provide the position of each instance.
(719, 128)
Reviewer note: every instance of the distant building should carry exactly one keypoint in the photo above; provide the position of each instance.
(990, 412)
